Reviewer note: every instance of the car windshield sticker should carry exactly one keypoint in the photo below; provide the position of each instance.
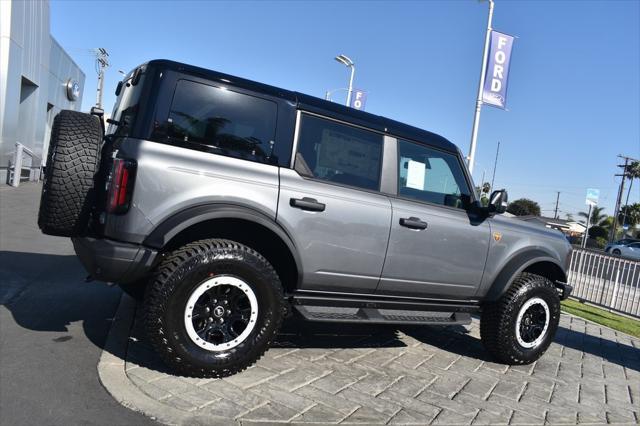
(415, 175)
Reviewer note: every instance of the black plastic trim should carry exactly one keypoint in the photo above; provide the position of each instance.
(180, 221)
(114, 261)
(513, 267)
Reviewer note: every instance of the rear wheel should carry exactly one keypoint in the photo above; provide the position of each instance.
(616, 252)
(68, 189)
(213, 308)
(518, 328)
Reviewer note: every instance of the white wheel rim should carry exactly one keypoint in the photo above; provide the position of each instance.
(206, 286)
(531, 303)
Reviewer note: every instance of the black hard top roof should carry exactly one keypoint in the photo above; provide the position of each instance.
(316, 105)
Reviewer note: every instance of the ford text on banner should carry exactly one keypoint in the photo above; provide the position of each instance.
(494, 91)
(358, 99)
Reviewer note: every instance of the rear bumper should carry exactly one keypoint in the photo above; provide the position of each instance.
(114, 261)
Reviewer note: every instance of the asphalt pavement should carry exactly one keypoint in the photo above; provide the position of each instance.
(53, 326)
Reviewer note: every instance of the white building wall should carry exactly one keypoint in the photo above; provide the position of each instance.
(34, 70)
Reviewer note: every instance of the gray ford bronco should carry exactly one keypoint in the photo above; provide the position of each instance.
(226, 204)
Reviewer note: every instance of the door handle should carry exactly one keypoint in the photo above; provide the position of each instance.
(413, 223)
(306, 203)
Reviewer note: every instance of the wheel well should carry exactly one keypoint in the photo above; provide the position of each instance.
(548, 270)
(258, 237)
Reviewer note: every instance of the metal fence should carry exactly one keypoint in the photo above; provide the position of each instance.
(609, 281)
(17, 168)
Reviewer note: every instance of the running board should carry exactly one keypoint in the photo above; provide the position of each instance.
(381, 316)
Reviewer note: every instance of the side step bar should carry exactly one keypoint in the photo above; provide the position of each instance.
(379, 309)
(381, 316)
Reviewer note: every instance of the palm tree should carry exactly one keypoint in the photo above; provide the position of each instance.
(629, 214)
(597, 217)
(632, 171)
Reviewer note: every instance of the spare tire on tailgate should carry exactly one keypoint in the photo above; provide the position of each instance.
(73, 160)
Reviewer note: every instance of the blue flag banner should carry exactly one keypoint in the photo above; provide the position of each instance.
(358, 99)
(494, 91)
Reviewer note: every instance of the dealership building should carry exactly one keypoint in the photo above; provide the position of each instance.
(37, 79)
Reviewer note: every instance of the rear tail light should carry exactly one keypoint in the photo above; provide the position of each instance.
(123, 175)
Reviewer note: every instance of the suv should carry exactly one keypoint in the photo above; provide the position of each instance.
(231, 204)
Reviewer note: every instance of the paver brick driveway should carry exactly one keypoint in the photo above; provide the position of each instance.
(335, 373)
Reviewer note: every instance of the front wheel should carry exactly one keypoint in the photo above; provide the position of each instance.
(616, 252)
(213, 308)
(520, 326)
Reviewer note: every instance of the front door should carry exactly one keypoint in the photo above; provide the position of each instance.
(435, 249)
(331, 207)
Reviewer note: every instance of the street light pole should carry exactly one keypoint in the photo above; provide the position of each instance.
(353, 71)
(345, 60)
(483, 72)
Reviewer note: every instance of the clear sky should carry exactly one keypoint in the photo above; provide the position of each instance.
(574, 87)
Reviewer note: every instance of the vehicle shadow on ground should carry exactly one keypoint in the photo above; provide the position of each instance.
(47, 293)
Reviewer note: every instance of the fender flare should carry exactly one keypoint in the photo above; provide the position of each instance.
(178, 222)
(515, 266)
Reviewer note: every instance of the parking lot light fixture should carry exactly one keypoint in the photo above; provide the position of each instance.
(345, 60)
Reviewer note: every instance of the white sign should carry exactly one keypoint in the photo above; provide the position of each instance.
(415, 175)
(592, 197)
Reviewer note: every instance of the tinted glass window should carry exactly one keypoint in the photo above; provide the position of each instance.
(339, 153)
(126, 107)
(222, 121)
(430, 175)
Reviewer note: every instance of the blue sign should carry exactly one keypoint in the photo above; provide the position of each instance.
(494, 91)
(592, 196)
(358, 99)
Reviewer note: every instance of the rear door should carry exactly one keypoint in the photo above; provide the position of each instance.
(330, 205)
(436, 249)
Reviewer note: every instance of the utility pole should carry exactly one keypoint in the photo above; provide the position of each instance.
(555, 216)
(627, 160)
(102, 62)
(614, 227)
(495, 164)
(483, 72)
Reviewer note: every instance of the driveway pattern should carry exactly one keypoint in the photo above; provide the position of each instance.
(331, 373)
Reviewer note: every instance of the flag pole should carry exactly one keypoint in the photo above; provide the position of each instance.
(483, 72)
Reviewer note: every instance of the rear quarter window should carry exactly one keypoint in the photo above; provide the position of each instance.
(221, 121)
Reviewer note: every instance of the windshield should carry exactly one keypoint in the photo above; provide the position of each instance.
(126, 107)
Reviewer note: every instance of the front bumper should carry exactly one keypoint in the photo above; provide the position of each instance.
(114, 261)
(564, 289)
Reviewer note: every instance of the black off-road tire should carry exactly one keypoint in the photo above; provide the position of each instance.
(175, 279)
(68, 190)
(498, 320)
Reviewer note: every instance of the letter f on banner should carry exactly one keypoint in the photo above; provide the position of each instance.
(494, 91)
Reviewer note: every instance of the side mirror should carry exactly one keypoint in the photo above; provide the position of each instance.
(498, 202)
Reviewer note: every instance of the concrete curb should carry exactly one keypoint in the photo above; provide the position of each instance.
(113, 376)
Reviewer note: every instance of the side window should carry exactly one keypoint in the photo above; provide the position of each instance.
(222, 121)
(431, 175)
(339, 153)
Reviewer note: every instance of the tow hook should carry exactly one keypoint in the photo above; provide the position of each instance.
(565, 289)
